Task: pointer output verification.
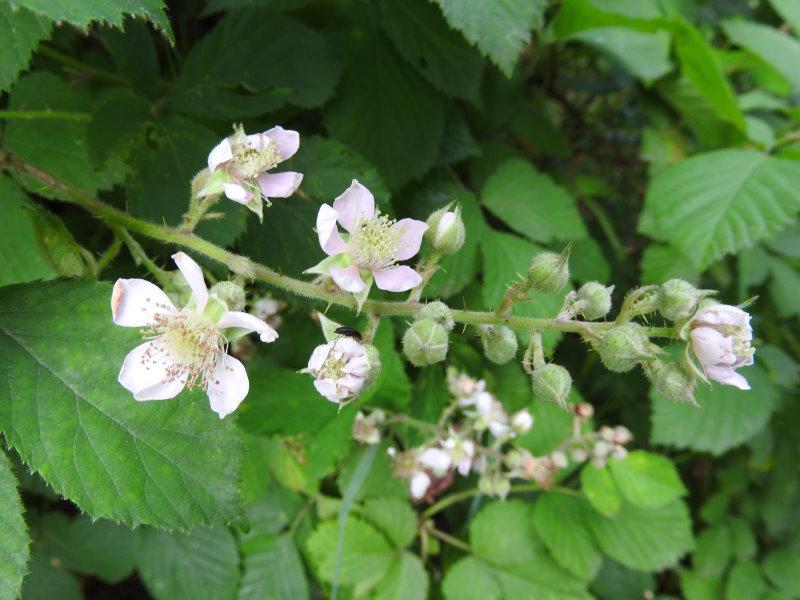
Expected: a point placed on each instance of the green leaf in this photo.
(21, 252)
(531, 203)
(470, 579)
(196, 565)
(560, 522)
(698, 587)
(745, 582)
(252, 62)
(423, 37)
(587, 261)
(49, 580)
(781, 567)
(101, 548)
(600, 489)
(380, 481)
(14, 540)
(506, 259)
(647, 479)
(645, 55)
(82, 13)
(615, 582)
(779, 50)
(273, 570)
(20, 34)
(648, 539)
(380, 98)
(720, 202)
(661, 263)
(392, 388)
(504, 532)
(406, 579)
(499, 29)
(783, 286)
(394, 517)
(56, 146)
(116, 126)
(170, 463)
(725, 418)
(789, 10)
(713, 551)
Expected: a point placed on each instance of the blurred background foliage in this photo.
(658, 137)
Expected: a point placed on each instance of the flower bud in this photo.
(366, 428)
(446, 231)
(552, 383)
(559, 459)
(595, 300)
(720, 339)
(62, 250)
(584, 410)
(677, 299)
(499, 343)
(670, 381)
(623, 347)
(549, 272)
(425, 343)
(439, 312)
(521, 421)
(230, 293)
(494, 485)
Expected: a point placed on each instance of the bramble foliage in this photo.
(531, 174)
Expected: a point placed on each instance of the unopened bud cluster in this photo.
(426, 340)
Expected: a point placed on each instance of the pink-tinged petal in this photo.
(447, 219)
(244, 320)
(286, 140)
(329, 238)
(194, 277)
(411, 232)
(348, 279)
(221, 154)
(727, 376)
(397, 279)
(355, 205)
(135, 302)
(419, 484)
(255, 141)
(279, 185)
(228, 385)
(327, 389)
(711, 347)
(237, 193)
(144, 373)
(318, 358)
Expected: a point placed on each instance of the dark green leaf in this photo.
(20, 34)
(14, 540)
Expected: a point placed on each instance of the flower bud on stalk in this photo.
(623, 347)
(552, 383)
(594, 300)
(499, 343)
(670, 381)
(521, 421)
(494, 485)
(439, 312)
(425, 342)
(549, 272)
(230, 293)
(446, 233)
(677, 299)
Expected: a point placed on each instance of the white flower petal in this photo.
(436, 459)
(327, 388)
(286, 140)
(134, 302)
(243, 320)
(355, 205)
(726, 375)
(447, 219)
(221, 153)
(711, 347)
(419, 484)
(237, 193)
(348, 279)
(194, 277)
(228, 385)
(318, 357)
(330, 240)
(410, 238)
(144, 373)
(279, 185)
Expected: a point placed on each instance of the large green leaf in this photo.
(191, 566)
(20, 33)
(21, 252)
(725, 418)
(789, 10)
(170, 463)
(647, 479)
(648, 539)
(500, 29)
(781, 567)
(14, 540)
(778, 49)
(82, 13)
(272, 569)
(531, 203)
(645, 55)
(426, 41)
(385, 111)
(720, 202)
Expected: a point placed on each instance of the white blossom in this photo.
(340, 369)
(720, 339)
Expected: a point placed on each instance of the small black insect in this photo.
(348, 331)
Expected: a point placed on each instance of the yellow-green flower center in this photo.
(374, 243)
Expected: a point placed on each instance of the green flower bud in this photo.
(230, 293)
(670, 381)
(494, 485)
(677, 299)
(446, 231)
(63, 252)
(499, 343)
(623, 347)
(439, 312)
(549, 272)
(425, 342)
(552, 383)
(595, 299)
(375, 365)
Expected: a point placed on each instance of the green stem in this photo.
(449, 539)
(75, 64)
(29, 115)
(241, 265)
(110, 254)
(518, 488)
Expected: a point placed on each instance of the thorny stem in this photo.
(427, 268)
(110, 254)
(244, 266)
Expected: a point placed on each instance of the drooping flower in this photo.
(185, 347)
(720, 339)
(370, 249)
(340, 368)
(239, 167)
